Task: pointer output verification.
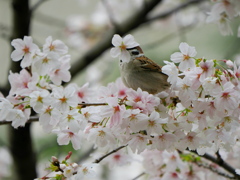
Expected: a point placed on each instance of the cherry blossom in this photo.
(38, 99)
(85, 170)
(46, 63)
(66, 135)
(60, 72)
(19, 82)
(199, 112)
(55, 46)
(185, 57)
(64, 97)
(121, 46)
(23, 49)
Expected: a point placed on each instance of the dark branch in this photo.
(131, 23)
(138, 18)
(214, 170)
(32, 119)
(140, 175)
(174, 10)
(36, 5)
(222, 164)
(106, 155)
(110, 13)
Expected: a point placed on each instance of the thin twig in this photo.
(31, 119)
(223, 164)
(110, 13)
(35, 6)
(92, 104)
(35, 118)
(140, 175)
(138, 18)
(166, 38)
(106, 155)
(174, 10)
(214, 170)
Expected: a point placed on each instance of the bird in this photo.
(142, 72)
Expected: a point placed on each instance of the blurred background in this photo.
(81, 24)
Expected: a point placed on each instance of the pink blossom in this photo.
(66, 135)
(207, 69)
(92, 114)
(61, 72)
(171, 70)
(155, 123)
(121, 46)
(85, 170)
(56, 46)
(38, 99)
(118, 158)
(23, 48)
(164, 141)
(84, 93)
(46, 63)
(64, 97)
(142, 100)
(227, 99)
(135, 120)
(138, 142)
(5, 107)
(194, 76)
(19, 82)
(114, 111)
(185, 57)
(49, 118)
(191, 141)
(73, 120)
(102, 137)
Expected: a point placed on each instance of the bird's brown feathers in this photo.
(148, 64)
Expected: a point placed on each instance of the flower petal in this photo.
(17, 55)
(129, 41)
(117, 40)
(115, 52)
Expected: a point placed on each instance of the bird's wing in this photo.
(147, 64)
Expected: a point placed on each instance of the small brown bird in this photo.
(142, 72)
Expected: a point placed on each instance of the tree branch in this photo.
(20, 139)
(174, 10)
(138, 18)
(140, 175)
(106, 155)
(131, 23)
(222, 164)
(35, 6)
(110, 13)
(214, 170)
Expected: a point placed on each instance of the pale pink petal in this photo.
(125, 56)
(115, 52)
(176, 57)
(18, 43)
(184, 48)
(63, 139)
(192, 51)
(17, 55)
(117, 40)
(129, 41)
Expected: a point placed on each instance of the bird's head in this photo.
(135, 52)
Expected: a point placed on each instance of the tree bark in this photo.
(24, 159)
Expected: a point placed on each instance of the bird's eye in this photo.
(120, 61)
(135, 52)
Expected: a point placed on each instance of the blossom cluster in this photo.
(199, 112)
(222, 13)
(65, 170)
